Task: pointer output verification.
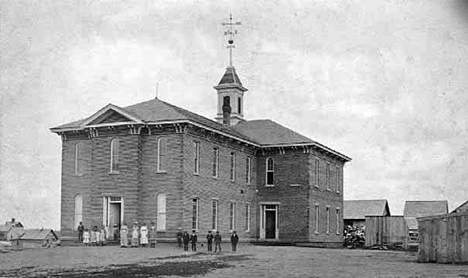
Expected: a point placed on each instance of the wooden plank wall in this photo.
(443, 239)
(386, 230)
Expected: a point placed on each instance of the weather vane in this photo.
(230, 32)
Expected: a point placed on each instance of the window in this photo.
(195, 214)
(338, 221)
(161, 218)
(247, 217)
(196, 157)
(317, 165)
(247, 170)
(215, 162)
(317, 213)
(162, 155)
(327, 176)
(79, 158)
(337, 179)
(214, 219)
(239, 105)
(78, 211)
(328, 220)
(233, 166)
(115, 149)
(232, 216)
(269, 172)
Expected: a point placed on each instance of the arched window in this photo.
(115, 149)
(161, 220)
(270, 169)
(162, 153)
(78, 211)
(226, 101)
(79, 158)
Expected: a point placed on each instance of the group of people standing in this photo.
(95, 237)
(144, 236)
(184, 238)
(140, 235)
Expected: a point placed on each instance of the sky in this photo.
(383, 82)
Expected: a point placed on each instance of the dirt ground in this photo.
(248, 261)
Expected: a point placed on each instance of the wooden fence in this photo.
(444, 238)
(386, 230)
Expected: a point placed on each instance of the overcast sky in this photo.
(384, 82)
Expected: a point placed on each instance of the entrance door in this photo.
(114, 215)
(270, 224)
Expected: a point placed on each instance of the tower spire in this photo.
(230, 33)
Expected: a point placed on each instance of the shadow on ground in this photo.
(184, 266)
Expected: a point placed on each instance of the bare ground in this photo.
(249, 261)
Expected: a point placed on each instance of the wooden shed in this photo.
(355, 211)
(39, 238)
(390, 231)
(444, 238)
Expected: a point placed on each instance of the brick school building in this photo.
(154, 161)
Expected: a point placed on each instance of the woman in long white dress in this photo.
(135, 235)
(124, 235)
(144, 235)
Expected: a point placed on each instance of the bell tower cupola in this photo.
(230, 89)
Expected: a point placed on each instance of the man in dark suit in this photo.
(193, 239)
(186, 239)
(234, 240)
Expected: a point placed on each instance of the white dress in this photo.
(144, 235)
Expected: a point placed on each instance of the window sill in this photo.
(269, 185)
(161, 172)
(317, 233)
(328, 189)
(114, 173)
(196, 174)
(338, 192)
(215, 178)
(79, 175)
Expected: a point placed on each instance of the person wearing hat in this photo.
(194, 239)
(152, 235)
(186, 239)
(217, 241)
(179, 237)
(144, 235)
(135, 235)
(234, 240)
(209, 241)
(124, 235)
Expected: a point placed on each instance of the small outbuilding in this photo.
(39, 238)
(355, 211)
(415, 209)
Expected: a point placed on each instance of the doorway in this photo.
(112, 212)
(269, 222)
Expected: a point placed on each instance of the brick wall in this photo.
(322, 198)
(205, 187)
(290, 168)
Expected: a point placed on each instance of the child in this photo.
(98, 236)
(93, 238)
(103, 236)
(152, 235)
(86, 237)
(144, 235)
(135, 235)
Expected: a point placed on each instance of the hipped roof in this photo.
(260, 133)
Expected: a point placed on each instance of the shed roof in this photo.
(462, 207)
(359, 209)
(38, 234)
(425, 208)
